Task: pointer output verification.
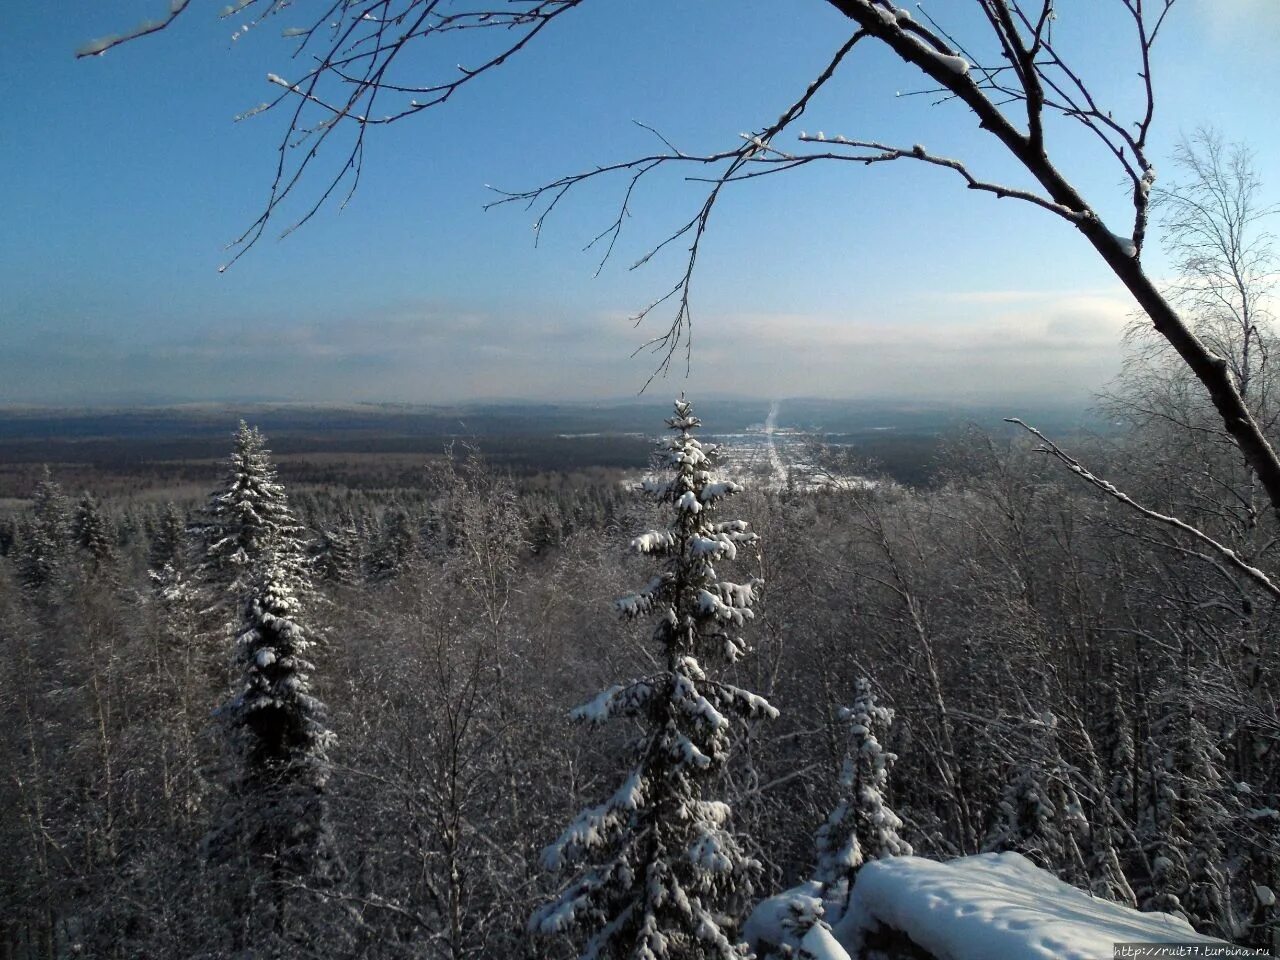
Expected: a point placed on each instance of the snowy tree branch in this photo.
(1231, 557)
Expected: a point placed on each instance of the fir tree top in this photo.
(249, 525)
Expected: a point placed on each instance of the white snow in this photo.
(1126, 245)
(887, 15)
(772, 921)
(820, 944)
(995, 906)
(654, 541)
(688, 502)
(957, 65)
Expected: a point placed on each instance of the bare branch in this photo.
(917, 152)
(1232, 558)
(754, 150)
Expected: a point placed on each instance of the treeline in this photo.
(1069, 679)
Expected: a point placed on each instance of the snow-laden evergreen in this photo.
(336, 556)
(248, 525)
(169, 542)
(46, 539)
(274, 836)
(275, 722)
(93, 532)
(862, 826)
(1206, 819)
(397, 543)
(274, 841)
(660, 873)
(796, 924)
(1040, 814)
(1182, 825)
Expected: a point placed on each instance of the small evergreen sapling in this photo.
(862, 826)
(661, 875)
(1040, 814)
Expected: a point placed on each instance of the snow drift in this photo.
(994, 906)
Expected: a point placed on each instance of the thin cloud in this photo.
(973, 345)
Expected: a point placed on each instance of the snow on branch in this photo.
(96, 48)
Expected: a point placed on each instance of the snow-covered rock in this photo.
(995, 906)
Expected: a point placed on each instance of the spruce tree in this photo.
(93, 533)
(1105, 866)
(169, 540)
(862, 827)
(661, 875)
(248, 525)
(275, 723)
(1186, 820)
(1040, 814)
(1160, 828)
(1208, 897)
(275, 834)
(273, 837)
(336, 555)
(46, 540)
(395, 548)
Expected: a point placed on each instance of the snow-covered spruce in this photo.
(47, 537)
(1040, 814)
(93, 533)
(336, 555)
(660, 874)
(277, 728)
(796, 924)
(1183, 820)
(862, 827)
(249, 524)
(169, 541)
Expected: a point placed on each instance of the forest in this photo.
(469, 703)
(1055, 674)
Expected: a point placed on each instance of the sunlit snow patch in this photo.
(995, 906)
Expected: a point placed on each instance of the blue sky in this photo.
(125, 174)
